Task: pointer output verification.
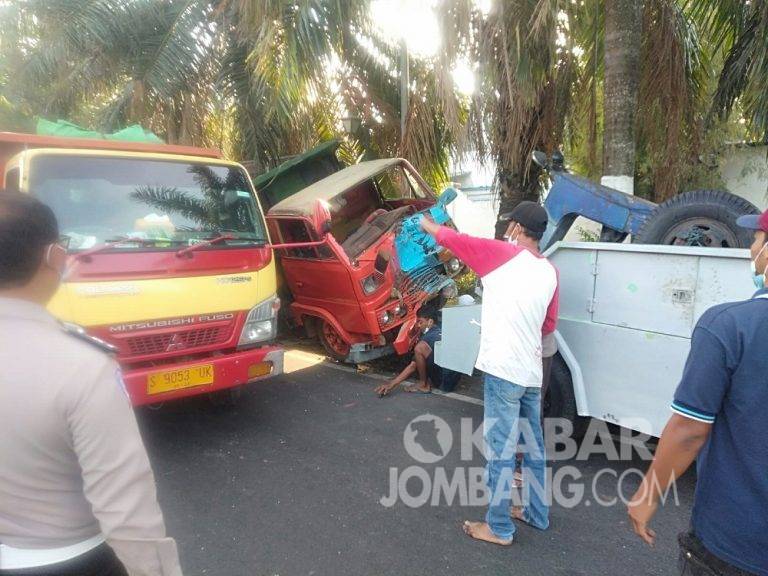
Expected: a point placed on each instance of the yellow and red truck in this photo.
(169, 261)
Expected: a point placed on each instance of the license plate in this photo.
(169, 380)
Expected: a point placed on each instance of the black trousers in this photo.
(546, 365)
(101, 561)
(696, 560)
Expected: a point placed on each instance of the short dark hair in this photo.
(532, 234)
(27, 226)
(428, 312)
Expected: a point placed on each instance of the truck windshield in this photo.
(350, 209)
(159, 203)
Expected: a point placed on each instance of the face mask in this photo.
(758, 278)
(510, 238)
(56, 259)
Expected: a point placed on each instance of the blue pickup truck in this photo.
(703, 218)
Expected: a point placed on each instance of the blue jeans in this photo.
(512, 417)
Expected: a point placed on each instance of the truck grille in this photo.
(418, 284)
(187, 340)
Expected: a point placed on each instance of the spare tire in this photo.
(698, 218)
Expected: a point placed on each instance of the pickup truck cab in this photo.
(357, 280)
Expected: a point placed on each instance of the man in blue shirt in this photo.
(719, 417)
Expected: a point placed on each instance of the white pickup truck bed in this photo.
(626, 316)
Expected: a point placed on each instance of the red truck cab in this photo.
(346, 283)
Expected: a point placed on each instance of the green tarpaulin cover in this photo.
(297, 173)
(63, 128)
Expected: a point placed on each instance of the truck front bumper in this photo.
(172, 381)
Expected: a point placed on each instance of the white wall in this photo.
(474, 212)
(744, 170)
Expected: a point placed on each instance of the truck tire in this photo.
(560, 401)
(704, 218)
(332, 341)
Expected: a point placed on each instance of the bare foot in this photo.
(481, 531)
(518, 513)
(419, 389)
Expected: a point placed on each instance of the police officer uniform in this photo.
(75, 481)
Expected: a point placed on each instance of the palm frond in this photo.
(174, 201)
(673, 84)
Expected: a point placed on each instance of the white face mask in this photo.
(56, 259)
(512, 238)
(758, 278)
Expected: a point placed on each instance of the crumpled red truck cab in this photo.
(344, 283)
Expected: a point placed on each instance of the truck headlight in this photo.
(261, 323)
(453, 265)
(372, 283)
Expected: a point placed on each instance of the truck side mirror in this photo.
(448, 196)
(540, 158)
(321, 219)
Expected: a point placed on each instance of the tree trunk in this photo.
(623, 35)
(515, 188)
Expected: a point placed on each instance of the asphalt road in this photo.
(289, 482)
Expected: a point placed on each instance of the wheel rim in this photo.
(334, 340)
(703, 232)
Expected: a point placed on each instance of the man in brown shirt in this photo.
(77, 494)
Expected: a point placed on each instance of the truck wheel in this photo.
(334, 344)
(704, 218)
(560, 401)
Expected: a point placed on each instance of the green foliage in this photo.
(736, 31)
(262, 79)
(466, 282)
(266, 79)
(12, 119)
(587, 235)
(350, 152)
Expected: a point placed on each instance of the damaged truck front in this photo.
(358, 276)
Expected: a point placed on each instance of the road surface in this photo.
(291, 481)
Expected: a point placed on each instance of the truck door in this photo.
(315, 277)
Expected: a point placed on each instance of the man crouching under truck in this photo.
(423, 363)
(519, 296)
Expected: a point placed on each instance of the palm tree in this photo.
(270, 78)
(623, 30)
(524, 85)
(737, 31)
(277, 74)
(545, 76)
